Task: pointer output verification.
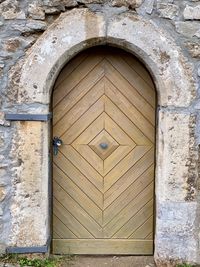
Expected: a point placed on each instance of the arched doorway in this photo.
(172, 74)
(103, 174)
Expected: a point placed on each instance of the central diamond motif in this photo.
(103, 144)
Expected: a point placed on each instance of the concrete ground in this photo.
(111, 261)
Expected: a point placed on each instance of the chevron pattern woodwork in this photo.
(103, 175)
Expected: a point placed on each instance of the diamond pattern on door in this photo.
(103, 175)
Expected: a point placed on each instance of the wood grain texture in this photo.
(103, 198)
(109, 247)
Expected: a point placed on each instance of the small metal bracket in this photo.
(28, 117)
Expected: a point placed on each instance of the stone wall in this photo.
(24, 22)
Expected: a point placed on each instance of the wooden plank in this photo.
(136, 221)
(79, 179)
(125, 123)
(76, 193)
(83, 166)
(120, 202)
(138, 67)
(78, 212)
(131, 93)
(150, 236)
(90, 156)
(128, 212)
(144, 231)
(91, 131)
(83, 69)
(117, 133)
(83, 122)
(130, 111)
(102, 247)
(137, 82)
(77, 93)
(61, 230)
(114, 175)
(69, 68)
(69, 220)
(143, 167)
(55, 235)
(115, 158)
(79, 109)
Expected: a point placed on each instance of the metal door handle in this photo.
(56, 143)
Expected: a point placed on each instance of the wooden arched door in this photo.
(103, 174)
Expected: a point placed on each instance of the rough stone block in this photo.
(3, 122)
(149, 5)
(30, 26)
(198, 71)
(192, 13)
(168, 11)
(175, 230)
(10, 9)
(91, 1)
(127, 3)
(1, 211)
(194, 49)
(188, 29)
(35, 11)
(2, 193)
(176, 141)
(65, 3)
(30, 200)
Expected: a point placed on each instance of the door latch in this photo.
(56, 143)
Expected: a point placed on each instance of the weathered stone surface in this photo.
(174, 137)
(31, 190)
(149, 6)
(1, 211)
(164, 54)
(128, 3)
(117, 28)
(91, 1)
(2, 193)
(198, 71)
(35, 11)
(56, 43)
(188, 29)
(31, 26)
(192, 13)
(168, 11)
(194, 49)
(52, 10)
(2, 248)
(170, 220)
(2, 120)
(10, 9)
(66, 3)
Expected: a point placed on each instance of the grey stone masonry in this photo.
(37, 37)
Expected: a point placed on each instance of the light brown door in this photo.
(103, 174)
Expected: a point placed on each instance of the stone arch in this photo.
(71, 33)
(80, 29)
